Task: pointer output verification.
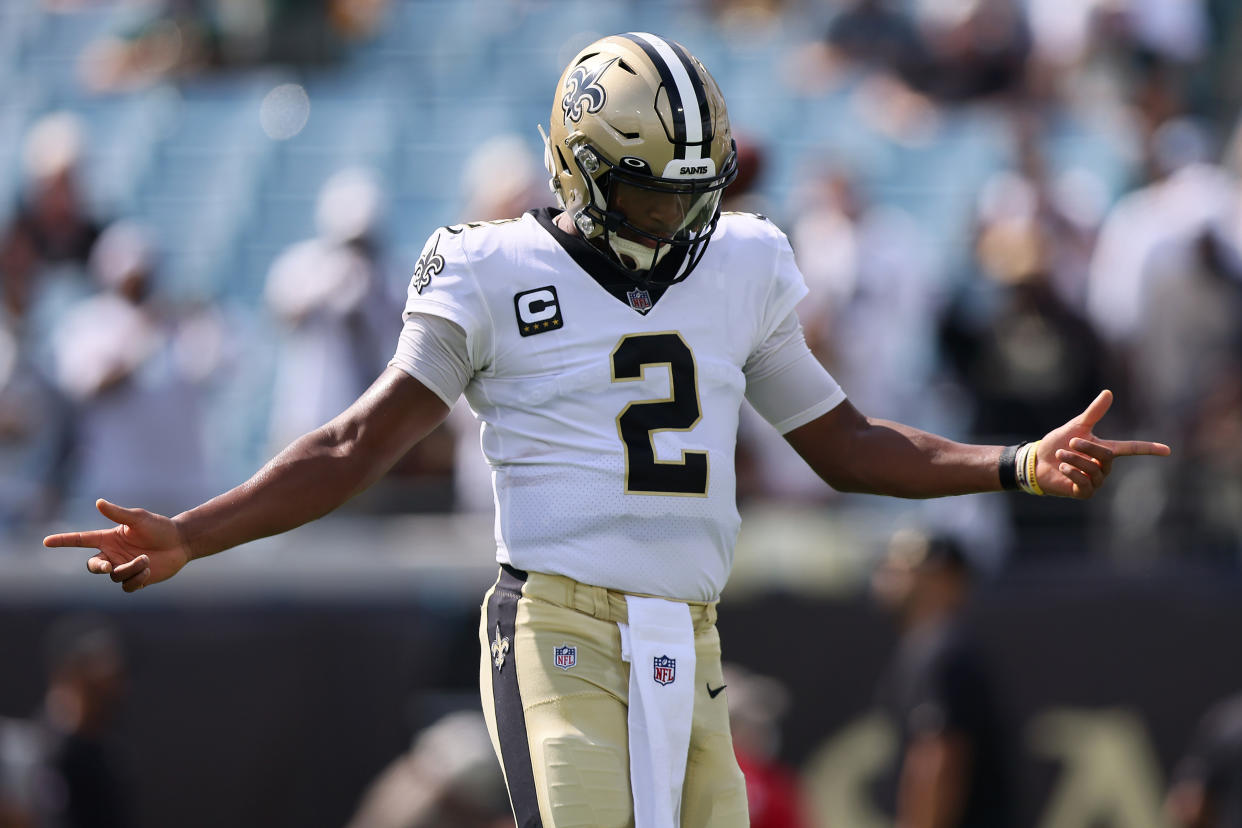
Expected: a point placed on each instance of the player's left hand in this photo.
(1073, 461)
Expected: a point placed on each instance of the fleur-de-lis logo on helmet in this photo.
(429, 264)
(583, 92)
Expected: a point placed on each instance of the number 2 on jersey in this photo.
(639, 421)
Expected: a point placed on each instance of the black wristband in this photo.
(1008, 470)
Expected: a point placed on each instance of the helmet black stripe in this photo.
(670, 88)
(700, 94)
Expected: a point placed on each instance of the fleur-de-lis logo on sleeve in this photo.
(583, 92)
(429, 264)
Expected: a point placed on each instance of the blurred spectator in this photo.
(58, 770)
(135, 373)
(952, 771)
(873, 295)
(502, 179)
(1165, 290)
(1066, 32)
(33, 415)
(53, 225)
(868, 317)
(1023, 354)
(1186, 371)
(756, 706)
(1185, 196)
(26, 783)
(178, 38)
(338, 321)
(87, 682)
(1207, 783)
(949, 50)
(449, 778)
(873, 33)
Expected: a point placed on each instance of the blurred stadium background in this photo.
(209, 211)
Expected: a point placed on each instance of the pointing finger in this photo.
(1135, 448)
(90, 539)
(1098, 408)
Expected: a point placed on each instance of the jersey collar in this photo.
(641, 298)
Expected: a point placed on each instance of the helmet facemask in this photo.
(644, 217)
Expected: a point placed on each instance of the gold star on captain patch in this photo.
(500, 647)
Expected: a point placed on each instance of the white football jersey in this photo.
(609, 413)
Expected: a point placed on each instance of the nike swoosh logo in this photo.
(716, 692)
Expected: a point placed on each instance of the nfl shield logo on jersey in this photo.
(640, 300)
(665, 669)
(566, 656)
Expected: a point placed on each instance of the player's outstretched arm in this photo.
(854, 453)
(314, 475)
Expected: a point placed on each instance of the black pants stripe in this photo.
(510, 718)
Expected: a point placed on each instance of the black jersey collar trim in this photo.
(606, 275)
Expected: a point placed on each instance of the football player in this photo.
(606, 347)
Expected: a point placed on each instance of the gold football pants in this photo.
(555, 694)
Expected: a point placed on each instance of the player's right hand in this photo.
(142, 549)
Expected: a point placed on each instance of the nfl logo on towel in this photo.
(566, 657)
(665, 669)
(640, 300)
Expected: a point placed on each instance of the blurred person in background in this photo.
(135, 373)
(947, 50)
(330, 296)
(872, 294)
(53, 218)
(1166, 293)
(1184, 194)
(27, 785)
(86, 687)
(952, 767)
(34, 416)
(757, 704)
(1019, 350)
(447, 779)
(867, 317)
(175, 39)
(58, 769)
(1207, 783)
(332, 299)
(615, 531)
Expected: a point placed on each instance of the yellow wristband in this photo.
(1032, 457)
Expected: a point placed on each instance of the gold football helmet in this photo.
(640, 152)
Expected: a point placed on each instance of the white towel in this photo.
(658, 643)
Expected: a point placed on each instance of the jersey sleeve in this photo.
(785, 383)
(786, 286)
(444, 285)
(433, 351)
